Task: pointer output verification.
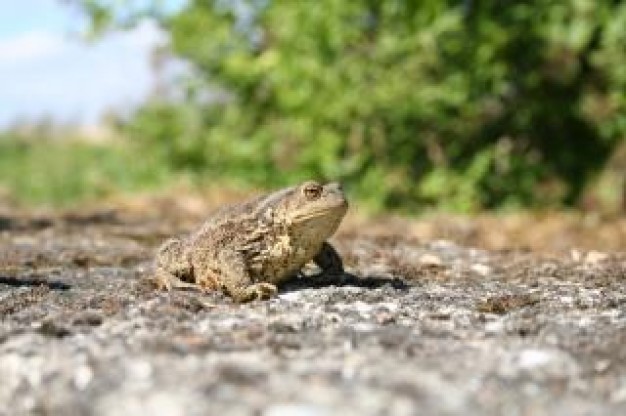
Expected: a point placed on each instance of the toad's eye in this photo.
(312, 191)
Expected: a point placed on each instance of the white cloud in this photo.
(30, 46)
(48, 73)
(145, 35)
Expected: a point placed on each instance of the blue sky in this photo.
(46, 69)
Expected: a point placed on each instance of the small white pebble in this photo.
(290, 296)
(82, 377)
(481, 269)
(140, 370)
(362, 307)
(494, 327)
(442, 244)
(295, 409)
(602, 366)
(390, 306)
(619, 395)
(532, 358)
(430, 260)
(595, 257)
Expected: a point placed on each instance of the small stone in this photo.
(481, 269)
(602, 365)
(334, 317)
(295, 409)
(532, 358)
(364, 309)
(595, 257)
(290, 296)
(384, 317)
(156, 403)
(442, 244)
(576, 255)
(88, 318)
(619, 395)
(140, 370)
(82, 377)
(539, 364)
(430, 260)
(53, 329)
(494, 327)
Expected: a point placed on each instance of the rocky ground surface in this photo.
(441, 315)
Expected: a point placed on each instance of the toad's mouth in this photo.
(337, 210)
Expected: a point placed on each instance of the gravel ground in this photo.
(429, 326)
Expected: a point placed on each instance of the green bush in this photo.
(461, 104)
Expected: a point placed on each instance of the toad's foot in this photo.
(168, 281)
(258, 291)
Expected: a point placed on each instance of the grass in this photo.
(60, 173)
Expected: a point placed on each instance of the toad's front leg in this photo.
(329, 261)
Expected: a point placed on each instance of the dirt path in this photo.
(421, 324)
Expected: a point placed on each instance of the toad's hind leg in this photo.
(238, 282)
(173, 268)
(172, 257)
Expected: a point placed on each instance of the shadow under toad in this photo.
(34, 282)
(346, 279)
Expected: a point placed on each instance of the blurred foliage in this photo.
(36, 169)
(459, 104)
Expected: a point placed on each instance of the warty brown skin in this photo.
(246, 249)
